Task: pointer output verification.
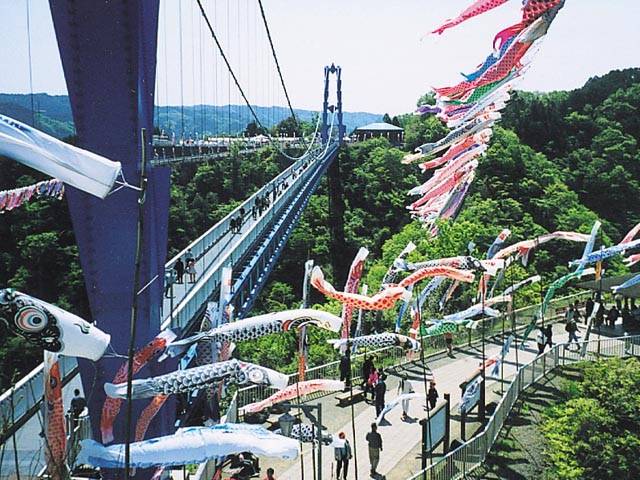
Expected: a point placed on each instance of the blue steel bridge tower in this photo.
(108, 52)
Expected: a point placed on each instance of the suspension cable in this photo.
(181, 75)
(33, 113)
(235, 78)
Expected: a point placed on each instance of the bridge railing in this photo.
(219, 238)
(470, 455)
(214, 237)
(253, 275)
(23, 399)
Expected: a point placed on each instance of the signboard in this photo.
(470, 394)
(436, 429)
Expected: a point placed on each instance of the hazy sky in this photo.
(386, 66)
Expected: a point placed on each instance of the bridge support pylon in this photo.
(108, 52)
(326, 108)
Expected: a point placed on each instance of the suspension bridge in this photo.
(124, 65)
(112, 60)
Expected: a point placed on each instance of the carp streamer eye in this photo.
(31, 319)
(256, 375)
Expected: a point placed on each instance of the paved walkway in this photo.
(401, 439)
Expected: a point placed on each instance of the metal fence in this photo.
(470, 455)
(433, 345)
(223, 246)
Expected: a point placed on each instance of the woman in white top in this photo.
(405, 387)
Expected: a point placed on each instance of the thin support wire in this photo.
(275, 59)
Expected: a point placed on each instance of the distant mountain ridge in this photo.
(52, 114)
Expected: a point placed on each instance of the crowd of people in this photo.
(604, 316)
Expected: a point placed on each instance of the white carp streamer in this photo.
(191, 445)
(378, 340)
(51, 327)
(82, 169)
(259, 326)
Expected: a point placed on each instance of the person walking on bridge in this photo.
(179, 268)
(374, 439)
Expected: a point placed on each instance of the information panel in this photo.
(437, 427)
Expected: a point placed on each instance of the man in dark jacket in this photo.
(380, 390)
(375, 447)
(179, 268)
(588, 309)
(345, 370)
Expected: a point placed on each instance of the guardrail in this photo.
(470, 455)
(208, 283)
(23, 399)
(395, 357)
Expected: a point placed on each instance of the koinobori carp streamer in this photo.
(293, 391)
(378, 340)
(259, 326)
(232, 371)
(51, 327)
(191, 445)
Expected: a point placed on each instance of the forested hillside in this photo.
(559, 161)
(52, 114)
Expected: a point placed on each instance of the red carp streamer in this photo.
(111, 406)
(448, 272)
(351, 286)
(54, 424)
(522, 249)
(477, 8)
(148, 414)
(292, 391)
(383, 300)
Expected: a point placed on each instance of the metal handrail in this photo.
(395, 357)
(471, 454)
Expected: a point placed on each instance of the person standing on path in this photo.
(572, 328)
(169, 278)
(372, 381)
(367, 367)
(191, 270)
(613, 315)
(345, 371)
(548, 334)
(405, 387)
(375, 447)
(380, 390)
(342, 454)
(576, 311)
(588, 309)
(448, 338)
(432, 395)
(541, 340)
